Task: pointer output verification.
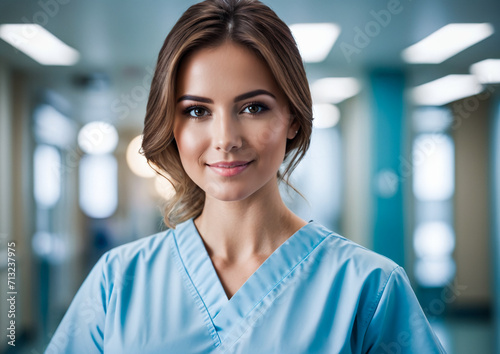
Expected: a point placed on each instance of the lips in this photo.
(229, 168)
(224, 164)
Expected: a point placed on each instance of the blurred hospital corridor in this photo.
(404, 156)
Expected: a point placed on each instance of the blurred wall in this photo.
(16, 207)
(356, 210)
(5, 183)
(471, 131)
(495, 222)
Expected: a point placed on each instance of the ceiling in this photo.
(119, 41)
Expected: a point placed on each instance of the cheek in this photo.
(271, 137)
(189, 144)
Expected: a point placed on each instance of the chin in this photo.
(227, 193)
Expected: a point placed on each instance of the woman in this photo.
(237, 272)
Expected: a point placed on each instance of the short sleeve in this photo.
(82, 327)
(398, 324)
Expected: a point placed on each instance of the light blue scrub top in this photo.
(317, 293)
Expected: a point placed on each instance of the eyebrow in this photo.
(253, 94)
(236, 99)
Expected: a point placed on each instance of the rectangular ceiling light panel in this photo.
(315, 40)
(487, 71)
(447, 42)
(39, 44)
(445, 90)
(334, 89)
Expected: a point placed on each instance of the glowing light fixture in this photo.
(325, 115)
(164, 188)
(445, 90)
(136, 161)
(39, 44)
(52, 127)
(315, 40)
(98, 185)
(434, 240)
(98, 138)
(433, 162)
(432, 119)
(435, 272)
(49, 246)
(446, 42)
(334, 89)
(47, 175)
(487, 71)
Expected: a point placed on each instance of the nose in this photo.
(226, 132)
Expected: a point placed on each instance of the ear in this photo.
(293, 129)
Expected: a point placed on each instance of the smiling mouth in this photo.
(228, 169)
(229, 164)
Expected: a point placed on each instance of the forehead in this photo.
(226, 69)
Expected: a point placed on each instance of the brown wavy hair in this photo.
(208, 24)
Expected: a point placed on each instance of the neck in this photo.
(237, 231)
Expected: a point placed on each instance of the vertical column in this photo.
(387, 148)
(22, 202)
(5, 191)
(356, 130)
(5, 155)
(495, 222)
(472, 132)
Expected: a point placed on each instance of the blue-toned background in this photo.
(405, 169)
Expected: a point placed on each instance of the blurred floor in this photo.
(466, 335)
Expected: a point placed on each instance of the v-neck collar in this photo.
(225, 313)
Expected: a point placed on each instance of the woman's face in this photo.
(231, 121)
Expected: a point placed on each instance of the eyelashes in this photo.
(195, 111)
(261, 108)
(200, 111)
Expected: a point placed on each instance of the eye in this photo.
(195, 112)
(255, 108)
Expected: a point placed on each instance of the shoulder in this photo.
(344, 256)
(342, 249)
(142, 250)
(359, 273)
